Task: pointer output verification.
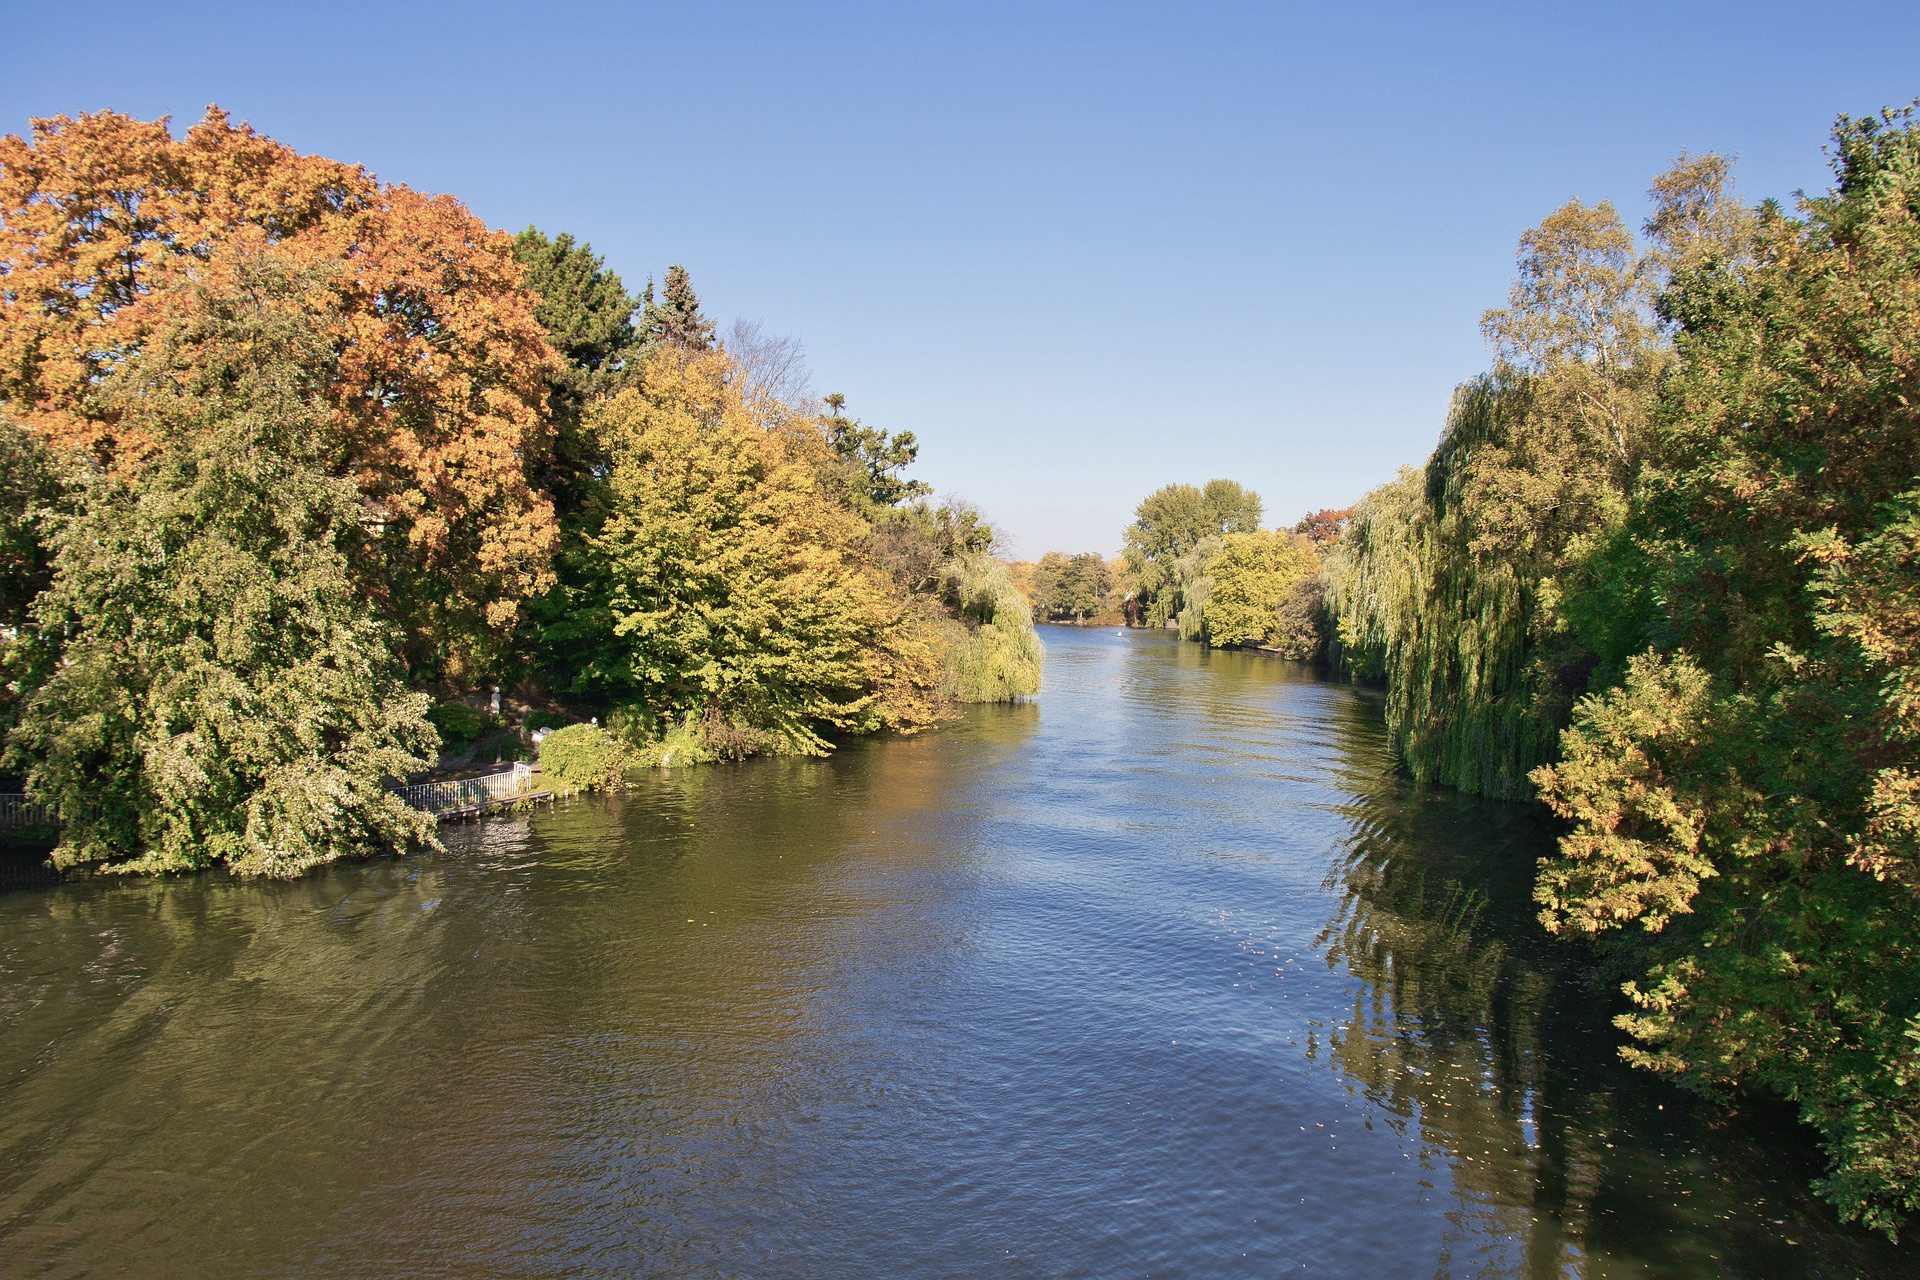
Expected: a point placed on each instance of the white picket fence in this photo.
(466, 794)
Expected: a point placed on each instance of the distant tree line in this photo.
(283, 448)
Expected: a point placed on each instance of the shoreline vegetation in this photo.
(1660, 574)
(300, 470)
(296, 466)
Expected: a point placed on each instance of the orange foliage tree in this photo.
(440, 402)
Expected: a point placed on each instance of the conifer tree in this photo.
(675, 320)
(589, 319)
(875, 459)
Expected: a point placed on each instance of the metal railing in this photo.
(18, 811)
(470, 793)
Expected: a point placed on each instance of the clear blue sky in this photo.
(1079, 250)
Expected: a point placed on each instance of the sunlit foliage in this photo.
(1168, 528)
(583, 757)
(212, 686)
(993, 655)
(1253, 576)
(436, 400)
(1746, 796)
(723, 587)
(1073, 588)
(1470, 589)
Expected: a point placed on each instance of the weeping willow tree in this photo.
(1475, 588)
(991, 651)
(1446, 629)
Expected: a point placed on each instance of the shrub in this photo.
(457, 722)
(582, 757)
(538, 720)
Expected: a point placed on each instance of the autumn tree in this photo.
(725, 598)
(436, 404)
(1324, 527)
(210, 684)
(1744, 799)
(1253, 576)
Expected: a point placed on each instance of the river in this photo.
(1165, 974)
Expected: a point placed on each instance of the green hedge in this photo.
(582, 757)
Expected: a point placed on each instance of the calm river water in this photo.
(1167, 974)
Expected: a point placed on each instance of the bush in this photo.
(538, 720)
(457, 722)
(582, 757)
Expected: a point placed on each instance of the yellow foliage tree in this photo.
(1253, 575)
(725, 596)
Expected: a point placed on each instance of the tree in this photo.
(1170, 524)
(585, 310)
(1071, 586)
(675, 320)
(1324, 527)
(28, 485)
(31, 491)
(772, 366)
(1746, 793)
(725, 596)
(987, 646)
(1252, 577)
(874, 459)
(588, 317)
(1170, 521)
(437, 399)
(215, 688)
(1482, 592)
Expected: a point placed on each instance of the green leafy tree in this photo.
(1076, 587)
(1253, 576)
(1191, 581)
(1746, 795)
(989, 650)
(220, 691)
(583, 757)
(1483, 593)
(30, 494)
(1169, 525)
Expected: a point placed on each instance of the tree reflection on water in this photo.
(1489, 1046)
